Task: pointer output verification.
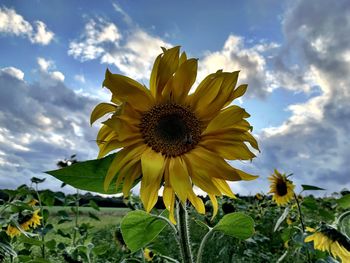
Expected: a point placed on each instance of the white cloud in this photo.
(96, 35)
(12, 23)
(46, 67)
(133, 53)
(42, 35)
(235, 55)
(15, 72)
(313, 143)
(41, 123)
(80, 78)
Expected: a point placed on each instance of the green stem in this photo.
(44, 223)
(76, 218)
(341, 218)
(302, 224)
(183, 231)
(201, 247)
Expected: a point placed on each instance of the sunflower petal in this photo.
(196, 202)
(224, 188)
(163, 68)
(134, 173)
(213, 94)
(152, 173)
(100, 110)
(214, 202)
(169, 202)
(180, 84)
(121, 159)
(179, 178)
(128, 90)
(226, 118)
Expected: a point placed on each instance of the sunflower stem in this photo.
(183, 231)
(201, 247)
(43, 254)
(302, 224)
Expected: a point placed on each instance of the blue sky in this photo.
(293, 55)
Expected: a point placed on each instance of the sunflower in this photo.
(148, 254)
(12, 231)
(30, 221)
(25, 222)
(329, 239)
(174, 139)
(281, 188)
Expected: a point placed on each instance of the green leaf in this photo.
(237, 225)
(93, 204)
(32, 241)
(307, 187)
(344, 202)
(88, 175)
(93, 216)
(282, 217)
(140, 228)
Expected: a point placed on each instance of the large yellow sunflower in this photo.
(329, 239)
(172, 139)
(25, 222)
(281, 188)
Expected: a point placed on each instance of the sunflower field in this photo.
(89, 233)
(172, 142)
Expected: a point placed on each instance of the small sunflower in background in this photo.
(148, 254)
(25, 222)
(331, 240)
(174, 139)
(281, 188)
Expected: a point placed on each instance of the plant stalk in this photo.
(42, 247)
(302, 224)
(76, 218)
(201, 247)
(183, 231)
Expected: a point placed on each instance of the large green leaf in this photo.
(140, 228)
(237, 225)
(307, 187)
(88, 175)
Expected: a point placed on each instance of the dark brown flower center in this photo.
(171, 129)
(281, 187)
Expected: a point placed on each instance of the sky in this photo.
(294, 56)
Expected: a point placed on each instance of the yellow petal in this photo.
(179, 178)
(169, 202)
(213, 94)
(229, 150)
(201, 176)
(163, 68)
(196, 202)
(113, 144)
(181, 82)
(100, 110)
(214, 165)
(183, 58)
(226, 118)
(223, 187)
(214, 202)
(128, 90)
(134, 173)
(122, 158)
(152, 173)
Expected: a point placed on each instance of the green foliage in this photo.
(344, 202)
(140, 228)
(237, 225)
(88, 175)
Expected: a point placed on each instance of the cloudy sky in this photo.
(294, 55)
